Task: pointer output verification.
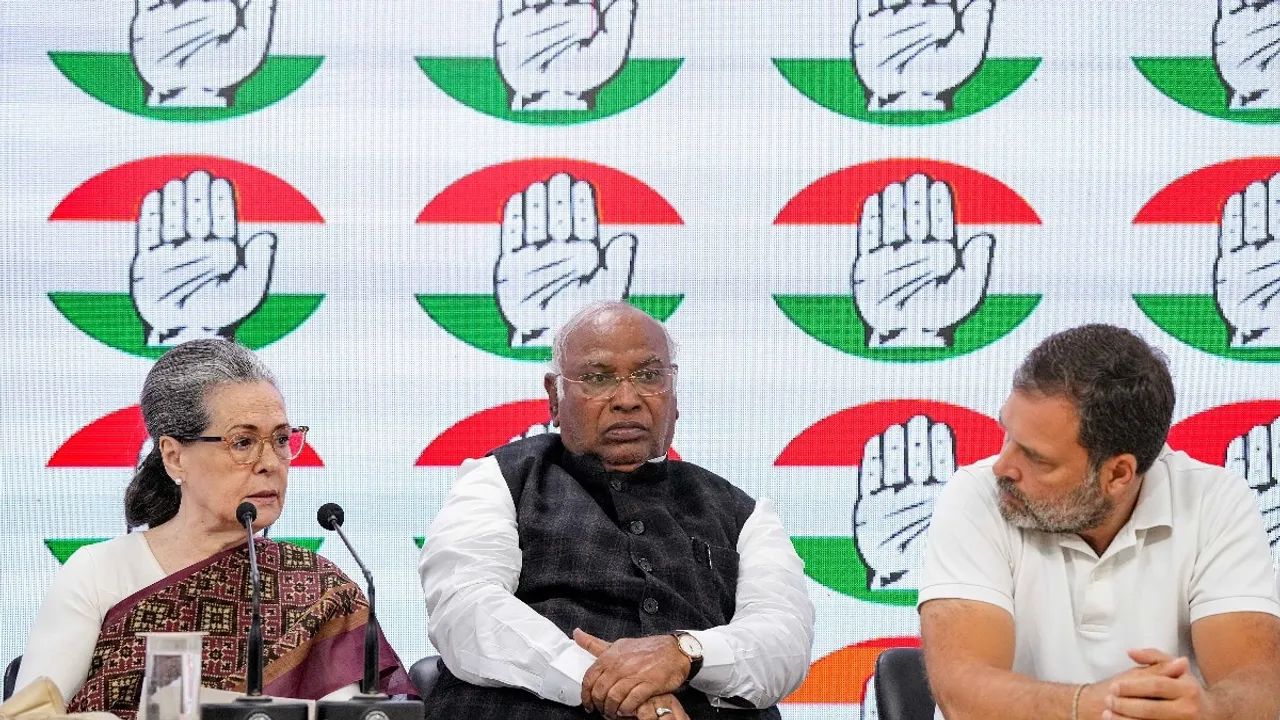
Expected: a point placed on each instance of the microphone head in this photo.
(247, 512)
(330, 516)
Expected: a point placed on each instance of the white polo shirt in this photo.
(1194, 547)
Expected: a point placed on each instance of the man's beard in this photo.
(1083, 508)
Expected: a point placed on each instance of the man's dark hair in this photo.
(1119, 385)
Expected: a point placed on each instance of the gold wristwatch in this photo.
(692, 649)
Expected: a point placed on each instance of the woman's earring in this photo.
(177, 481)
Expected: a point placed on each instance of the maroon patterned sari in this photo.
(313, 620)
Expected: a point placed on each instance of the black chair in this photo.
(11, 676)
(902, 688)
(425, 673)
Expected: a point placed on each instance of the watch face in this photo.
(690, 645)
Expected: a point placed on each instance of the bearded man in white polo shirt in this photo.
(1088, 571)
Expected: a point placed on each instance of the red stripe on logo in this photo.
(1198, 197)
(482, 196)
(837, 440)
(837, 199)
(1205, 435)
(117, 194)
(475, 435)
(114, 441)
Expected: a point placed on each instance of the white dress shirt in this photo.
(470, 568)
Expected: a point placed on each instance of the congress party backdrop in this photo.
(856, 216)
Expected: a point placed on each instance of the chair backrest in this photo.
(11, 676)
(902, 688)
(424, 675)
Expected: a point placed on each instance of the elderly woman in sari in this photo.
(221, 437)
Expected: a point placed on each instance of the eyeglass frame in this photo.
(262, 441)
(671, 370)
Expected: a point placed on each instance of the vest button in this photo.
(637, 527)
(644, 564)
(650, 606)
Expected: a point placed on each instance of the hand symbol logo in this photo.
(915, 54)
(1255, 456)
(903, 469)
(1246, 52)
(1246, 274)
(192, 276)
(197, 53)
(557, 54)
(912, 282)
(551, 262)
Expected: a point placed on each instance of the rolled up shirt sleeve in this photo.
(763, 653)
(1233, 570)
(470, 568)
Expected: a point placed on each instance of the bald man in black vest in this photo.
(586, 572)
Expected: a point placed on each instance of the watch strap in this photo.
(695, 662)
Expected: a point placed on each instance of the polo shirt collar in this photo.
(1155, 499)
(1153, 509)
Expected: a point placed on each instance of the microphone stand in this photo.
(369, 684)
(253, 676)
(370, 704)
(253, 705)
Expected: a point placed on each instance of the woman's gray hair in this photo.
(588, 313)
(173, 404)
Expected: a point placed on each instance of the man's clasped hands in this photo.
(634, 677)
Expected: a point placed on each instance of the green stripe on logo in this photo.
(112, 79)
(832, 320)
(62, 548)
(475, 82)
(834, 562)
(476, 321)
(1194, 320)
(833, 84)
(1193, 82)
(306, 543)
(111, 319)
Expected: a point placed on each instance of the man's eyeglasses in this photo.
(246, 447)
(646, 381)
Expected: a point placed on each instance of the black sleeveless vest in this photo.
(616, 554)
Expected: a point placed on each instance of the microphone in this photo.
(370, 703)
(331, 517)
(253, 705)
(246, 514)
